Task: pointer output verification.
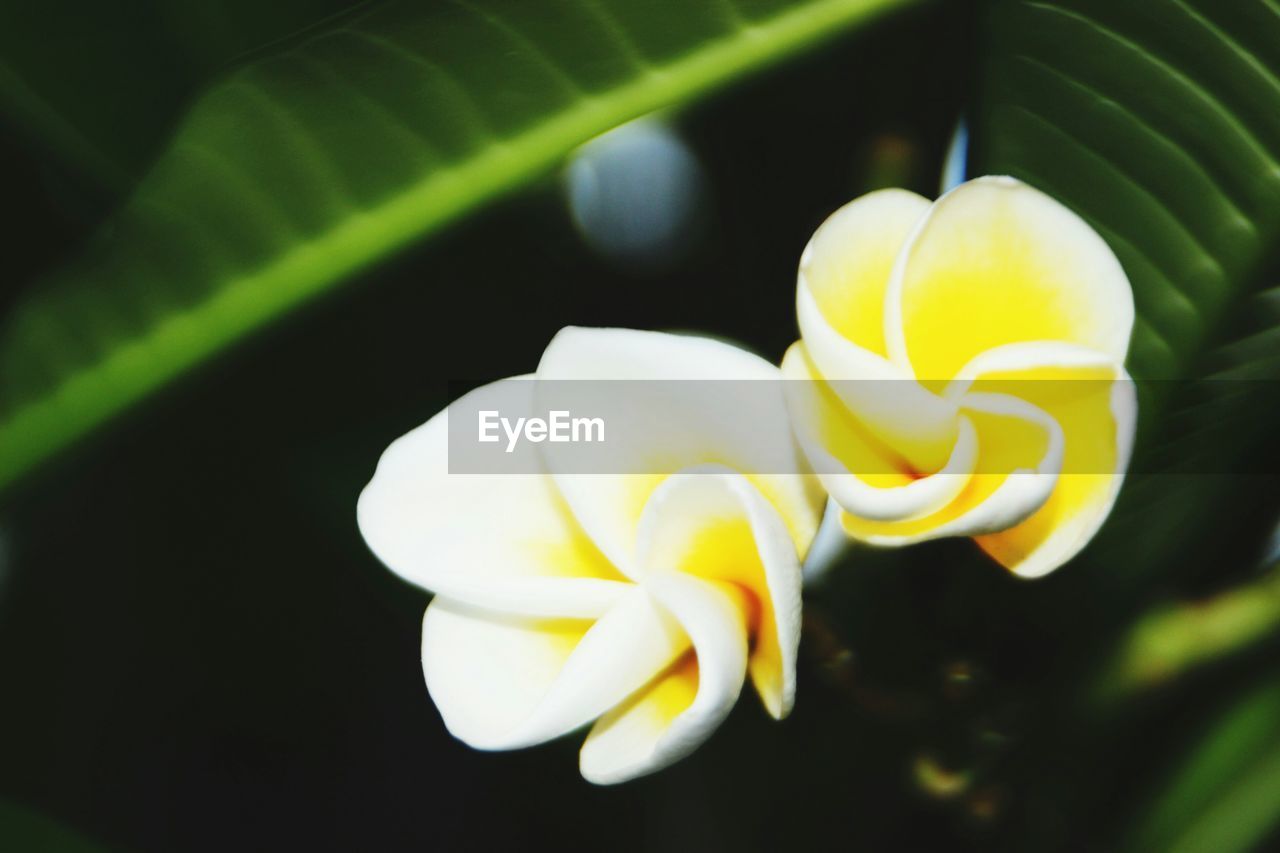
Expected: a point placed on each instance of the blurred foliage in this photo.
(1174, 640)
(1225, 794)
(98, 86)
(301, 167)
(25, 830)
(213, 551)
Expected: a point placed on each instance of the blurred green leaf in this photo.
(1173, 640)
(1224, 795)
(304, 166)
(98, 85)
(25, 830)
(1159, 122)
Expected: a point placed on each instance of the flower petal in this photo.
(694, 430)
(845, 268)
(916, 424)
(997, 262)
(1095, 403)
(505, 543)
(863, 475)
(719, 527)
(1020, 452)
(675, 713)
(505, 682)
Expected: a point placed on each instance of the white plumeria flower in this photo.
(638, 603)
(952, 318)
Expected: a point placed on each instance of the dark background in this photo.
(198, 653)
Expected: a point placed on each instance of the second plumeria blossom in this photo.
(635, 604)
(963, 367)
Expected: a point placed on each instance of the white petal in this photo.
(858, 471)
(507, 543)
(1094, 401)
(663, 723)
(997, 262)
(914, 423)
(505, 682)
(1020, 459)
(690, 427)
(718, 526)
(1013, 364)
(845, 268)
(840, 305)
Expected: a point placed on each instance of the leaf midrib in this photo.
(185, 337)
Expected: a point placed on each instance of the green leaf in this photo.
(1173, 640)
(1159, 122)
(305, 166)
(97, 85)
(1224, 795)
(23, 829)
